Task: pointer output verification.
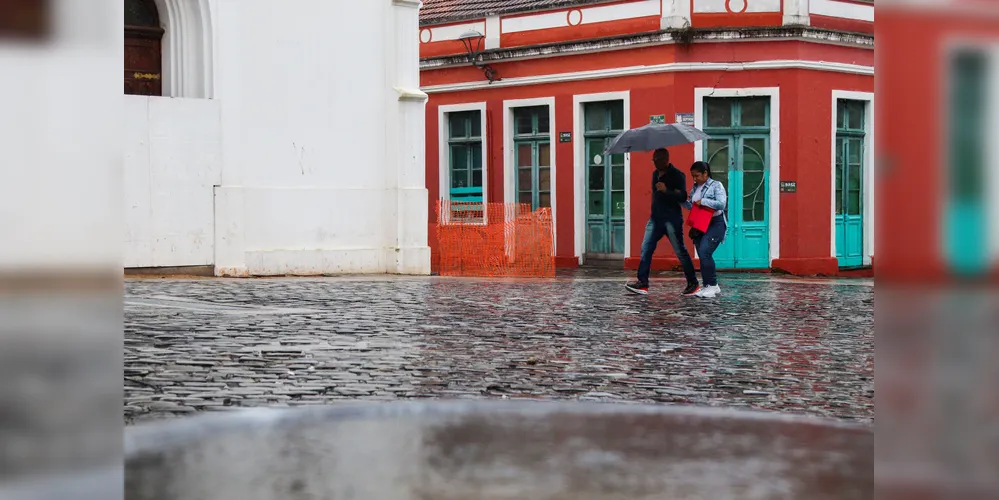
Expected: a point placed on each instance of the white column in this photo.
(796, 13)
(676, 14)
(406, 141)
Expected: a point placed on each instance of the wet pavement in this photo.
(784, 344)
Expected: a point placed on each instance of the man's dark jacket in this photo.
(666, 206)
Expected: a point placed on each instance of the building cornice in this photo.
(831, 67)
(784, 33)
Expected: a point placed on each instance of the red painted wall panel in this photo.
(913, 171)
(725, 20)
(841, 24)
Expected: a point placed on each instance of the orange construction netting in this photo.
(495, 240)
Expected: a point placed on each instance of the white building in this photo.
(275, 137)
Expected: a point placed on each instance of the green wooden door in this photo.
(605, 187)
(850, 183)
(738, 153)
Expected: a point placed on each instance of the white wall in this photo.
(320, 146)
(172, 161)
(317, 173)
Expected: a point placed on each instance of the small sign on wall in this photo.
(659, 119)
(685, 119)
(565, 137)
(788, 186)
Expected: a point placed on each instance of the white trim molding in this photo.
(509, 165)
(653, 69)
(451, 32)
(846, 10)
(581, 15)
(736, 6)
(700, 93)
(444, 165)
(188, 48)
(579, 169)
(868, 183)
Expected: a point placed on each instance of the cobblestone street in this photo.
(770, 343)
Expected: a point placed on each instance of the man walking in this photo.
(669, 190)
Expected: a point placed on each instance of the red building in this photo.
(784, 87)
(943, 55)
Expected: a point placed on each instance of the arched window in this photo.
(143, 51)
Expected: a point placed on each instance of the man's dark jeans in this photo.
(672, 229)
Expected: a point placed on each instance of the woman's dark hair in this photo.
(701, 166)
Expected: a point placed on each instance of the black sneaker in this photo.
(638, 287)
(691, 289)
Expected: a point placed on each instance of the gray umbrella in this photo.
(654, 136)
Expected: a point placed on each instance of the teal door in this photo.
(967, 225)
(738, 153)
(605, 210)
(850, 183)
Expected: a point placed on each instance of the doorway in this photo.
(605, 181)
(739, 154)
(849, 182)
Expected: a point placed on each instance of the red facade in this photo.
(799, 70)
(918, 46)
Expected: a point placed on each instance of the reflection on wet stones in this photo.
(775, 345)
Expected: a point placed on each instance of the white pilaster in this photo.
(492, 33)
(676, 14)
(406, 156)
(796, 13)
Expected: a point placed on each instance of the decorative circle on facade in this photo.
(426, 35)
(598, 160)
(574, 17)
(744, 6)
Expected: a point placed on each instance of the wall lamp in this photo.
(472, 40)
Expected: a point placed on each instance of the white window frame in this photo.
(509, 152)
(867, 208)
(989, 46)
(700, 93)
(579, 168)
(444, 157)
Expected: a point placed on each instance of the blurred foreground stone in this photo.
(498, 450)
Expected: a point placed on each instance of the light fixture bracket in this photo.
(472, 41)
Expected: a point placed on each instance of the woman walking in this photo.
(708, 193)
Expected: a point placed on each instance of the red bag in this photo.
(700, 218)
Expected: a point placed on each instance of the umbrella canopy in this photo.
(654, 136)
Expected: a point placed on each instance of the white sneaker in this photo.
(709, 292)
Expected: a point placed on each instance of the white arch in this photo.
(188, 48)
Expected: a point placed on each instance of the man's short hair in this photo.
(661, 152)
